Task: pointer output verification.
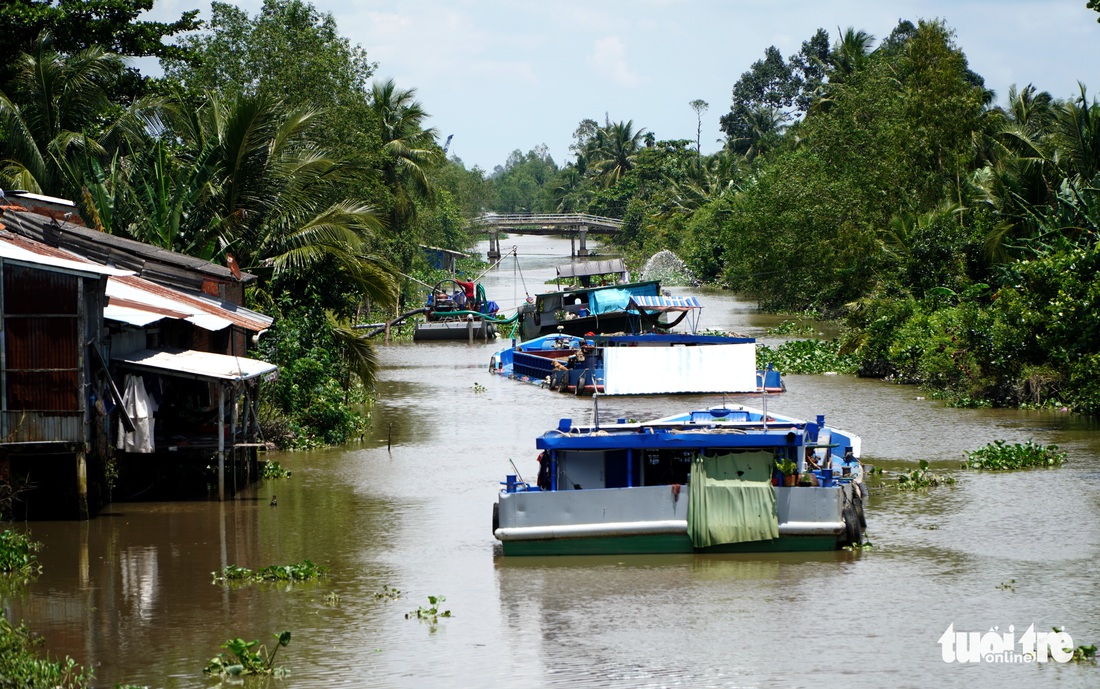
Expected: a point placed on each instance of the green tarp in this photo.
(732, 500)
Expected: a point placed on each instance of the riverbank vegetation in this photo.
(879, 184)
(873, 181)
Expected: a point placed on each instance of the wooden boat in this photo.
(450, 315)
(583, 310)
(646, 364)
(706, 481)
(653, 361)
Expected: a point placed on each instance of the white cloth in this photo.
(140, 406)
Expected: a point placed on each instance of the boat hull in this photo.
(661, 544)
(453, 330)
(653, 520)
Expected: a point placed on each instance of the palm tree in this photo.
(408, 150)
(44, 118)
(268, 188)
(849, 55)
(616, 145)
(1076, 136)
(765, 124)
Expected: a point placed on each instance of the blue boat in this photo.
(718, 480)
(645, 364)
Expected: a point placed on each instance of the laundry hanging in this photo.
(140, 406)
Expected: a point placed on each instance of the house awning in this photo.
(188, 363)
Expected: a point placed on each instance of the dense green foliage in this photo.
(1002, 456)
(806, 356)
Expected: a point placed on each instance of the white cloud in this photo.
(608, 58)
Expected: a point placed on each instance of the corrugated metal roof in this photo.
(189, 363)
(105, 248)
(29, 252)
(132, 299)
(140, 294)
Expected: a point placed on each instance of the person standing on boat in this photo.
(468, 288)
(543, 481)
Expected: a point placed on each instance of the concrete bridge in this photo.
(576, 226)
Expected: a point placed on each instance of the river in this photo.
(130, 593)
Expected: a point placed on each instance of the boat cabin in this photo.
(715, 480)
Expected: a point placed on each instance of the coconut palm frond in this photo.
(359, 353)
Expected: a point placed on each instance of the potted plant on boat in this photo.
(790, 472)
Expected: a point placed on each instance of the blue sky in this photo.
(502, 75)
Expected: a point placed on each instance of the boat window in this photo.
(664, 467)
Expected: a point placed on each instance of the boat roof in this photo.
(664, 304)
(670, 339)
(590, 268)
(719, 428)
(620, 286)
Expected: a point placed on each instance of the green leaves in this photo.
(21, 665)
(244, 658)
(1001, 456)
(430, 613)
(17, 553)
(922, 478)
(303, 571)
(806, 356)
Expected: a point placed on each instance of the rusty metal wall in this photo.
(42, 365)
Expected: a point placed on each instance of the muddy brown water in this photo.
(130, 594)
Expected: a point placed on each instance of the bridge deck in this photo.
(547, 223)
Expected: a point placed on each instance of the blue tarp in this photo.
(606, 300)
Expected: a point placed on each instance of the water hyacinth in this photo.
(1001, 456)
(806, 357)
(303, 571)
(17, 553)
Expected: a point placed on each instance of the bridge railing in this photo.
(544, 219)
